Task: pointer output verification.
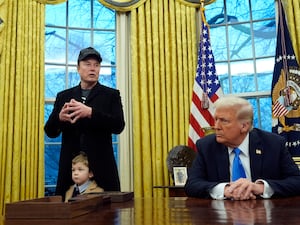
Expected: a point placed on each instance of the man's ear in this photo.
(91, 174)
(245, 126)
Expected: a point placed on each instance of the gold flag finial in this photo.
(202, 3)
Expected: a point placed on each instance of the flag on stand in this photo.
(285, 90)
(207, 88)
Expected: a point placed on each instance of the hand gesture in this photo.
(243, 189)
(74, 110)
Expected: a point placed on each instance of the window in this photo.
(71, 26)
(243, 39)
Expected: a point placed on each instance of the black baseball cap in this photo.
(89, 53)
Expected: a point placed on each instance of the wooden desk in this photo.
(184, 211)
(174, 191)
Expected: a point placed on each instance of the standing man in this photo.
(265, 165)
(87, 115)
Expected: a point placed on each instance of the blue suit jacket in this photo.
(269, 160)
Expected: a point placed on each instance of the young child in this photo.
(82, 177)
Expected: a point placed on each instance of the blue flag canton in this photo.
(284, 49)
(206, 75)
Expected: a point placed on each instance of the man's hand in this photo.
(74, 110)
(243, 189)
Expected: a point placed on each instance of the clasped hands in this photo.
(243, 189)
(74, 110)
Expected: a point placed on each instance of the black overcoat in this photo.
(92, 135)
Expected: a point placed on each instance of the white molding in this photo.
(124, 85)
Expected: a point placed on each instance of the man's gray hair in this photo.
(244, 110)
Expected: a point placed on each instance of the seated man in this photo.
(268, 169)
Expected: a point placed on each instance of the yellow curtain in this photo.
(292, 8)
(21, 100)
(164, 52)
(2, 18)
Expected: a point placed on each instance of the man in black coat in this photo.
(269, 168)
(87, 115)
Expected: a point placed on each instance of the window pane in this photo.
(264, 70)
(222, 70)
(262, 112)
(104, 18)
(105, 42)
(53, 15)
(108, 76)
(237, 10)
(262, 9)
(214, 12)
(52, 152)
(240, 43)
(78, 39)
(80, 13)
(55, 45)
(265, 38)
(218, 39)
(256, 116)
(73, 76)
(115, 148)
(242, 73)
(54, 80)
(266, 113)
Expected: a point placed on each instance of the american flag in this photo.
(285, 88)
(207, 88)
(279, 109)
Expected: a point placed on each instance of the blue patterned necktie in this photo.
(237, 166)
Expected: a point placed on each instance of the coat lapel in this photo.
(94, 92)
(77, 93)
(256, 153)
(222, 159)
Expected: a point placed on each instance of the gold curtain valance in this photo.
(122, 5)
(195, 3)
(118, 5)
(51, 2)
(127, 5)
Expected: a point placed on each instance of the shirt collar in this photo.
(244, 146)
(84, 186)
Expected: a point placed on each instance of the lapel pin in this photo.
(258, 151)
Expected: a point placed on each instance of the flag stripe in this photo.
(279, 110)
(206, 84)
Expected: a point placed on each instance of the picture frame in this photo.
(180, 175)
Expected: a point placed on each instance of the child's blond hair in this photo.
(81, 157)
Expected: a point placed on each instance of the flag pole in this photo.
(205, 101)
(207, 87)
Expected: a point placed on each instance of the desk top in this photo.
(183, 210)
